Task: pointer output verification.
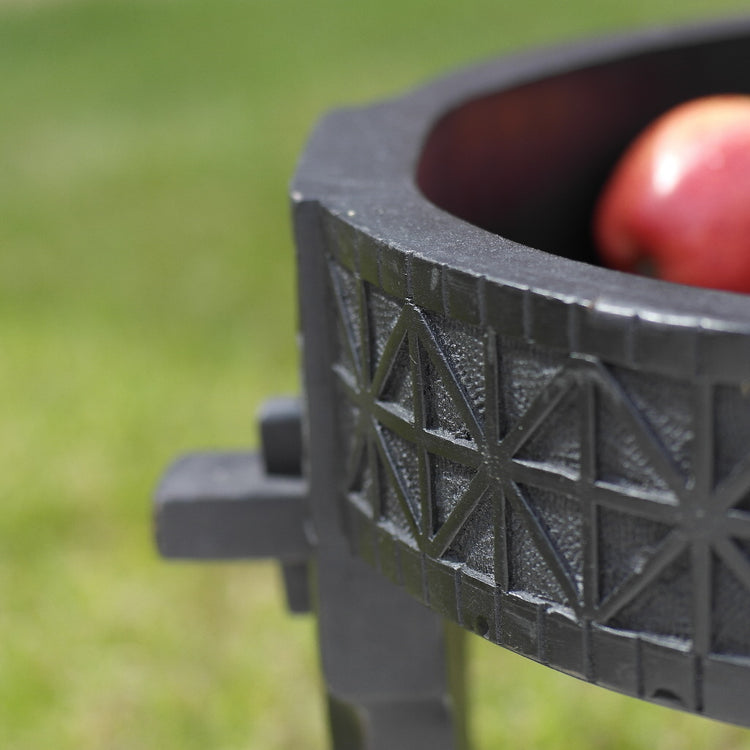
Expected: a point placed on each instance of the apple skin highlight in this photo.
(678, 201)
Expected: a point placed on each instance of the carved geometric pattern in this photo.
(604, 492)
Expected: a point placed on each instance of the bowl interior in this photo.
(528, 162)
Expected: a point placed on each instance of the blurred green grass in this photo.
(147, 308)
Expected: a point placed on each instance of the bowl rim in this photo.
(360, 165)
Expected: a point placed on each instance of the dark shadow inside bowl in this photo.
(528, 162)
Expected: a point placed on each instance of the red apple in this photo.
(678, 202)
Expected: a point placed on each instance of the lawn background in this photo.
(147, 308)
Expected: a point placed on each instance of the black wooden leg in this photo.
(393, 669)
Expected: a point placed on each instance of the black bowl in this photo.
(552, 454)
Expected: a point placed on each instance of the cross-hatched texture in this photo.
(617, 499)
